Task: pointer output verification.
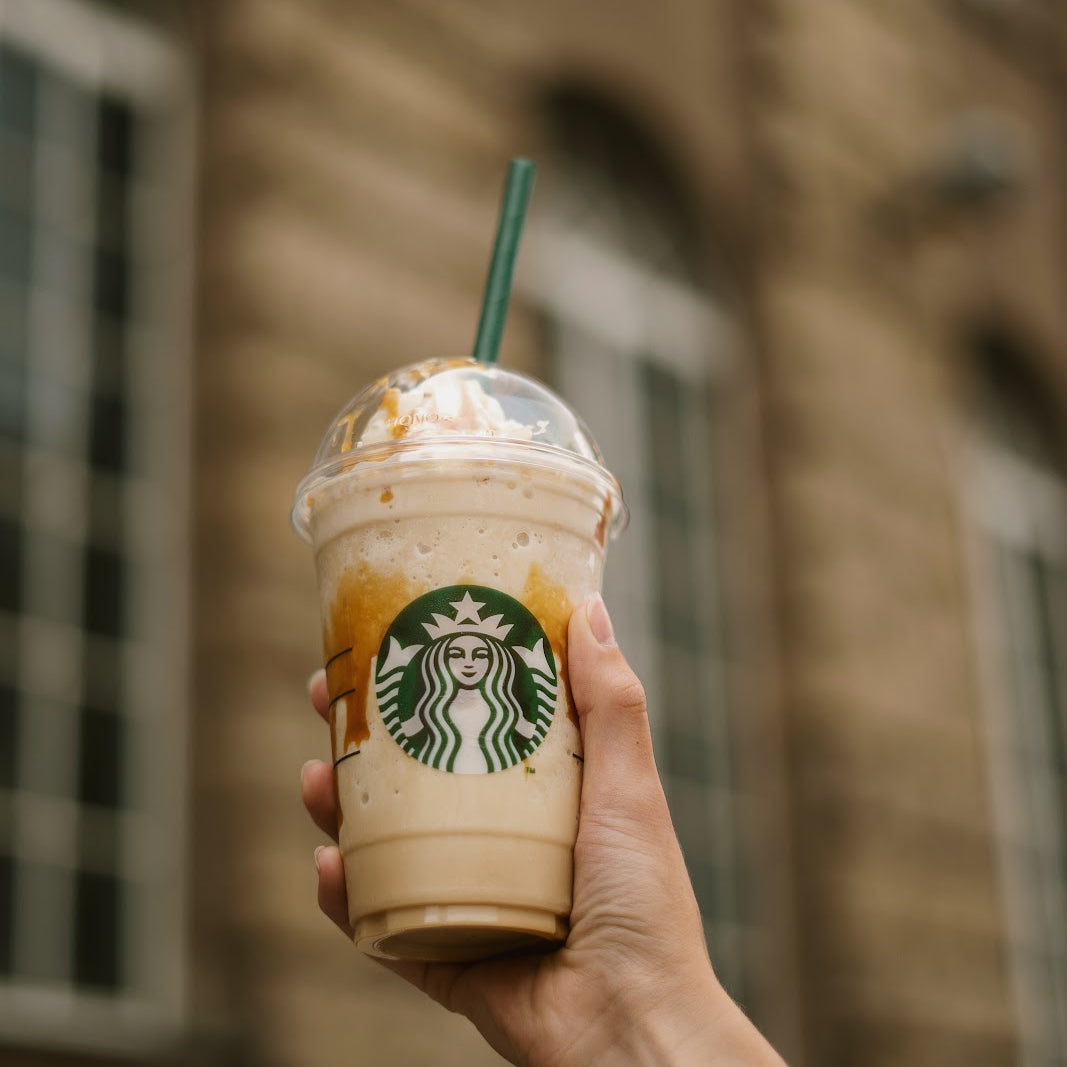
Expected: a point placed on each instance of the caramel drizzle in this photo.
(551, 606)
(364, 605)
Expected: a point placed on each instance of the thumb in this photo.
(620, 768)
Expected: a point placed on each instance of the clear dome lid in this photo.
(441, 407)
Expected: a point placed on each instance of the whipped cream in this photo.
(448, 408)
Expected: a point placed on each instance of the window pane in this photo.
(13, 341)
(65, 116)
(114, 137)
(18, 89)
(107, 432)
(686, 752)
(49, 728)
(105, 510)
(52, 592)
(665, 395)
(8, 734)
(16, 175)
(98, 907)
(42, 903)
(14, 245)
(6, 921)
(102, 757)
(105, 571)
(111, 279)
(10, 562)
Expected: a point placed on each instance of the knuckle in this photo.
(627, 695)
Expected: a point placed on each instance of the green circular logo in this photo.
(466, 681)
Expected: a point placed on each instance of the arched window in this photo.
(1017, 503)
(635, 341)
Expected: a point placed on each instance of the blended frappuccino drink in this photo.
(458, 513)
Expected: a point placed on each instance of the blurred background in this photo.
(802, 267)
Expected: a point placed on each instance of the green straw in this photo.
(498, 282)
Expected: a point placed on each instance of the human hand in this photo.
(633, 984)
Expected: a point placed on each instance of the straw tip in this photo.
(522, 173)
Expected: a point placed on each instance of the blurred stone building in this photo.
(801, 265)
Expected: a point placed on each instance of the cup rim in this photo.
(399, 457)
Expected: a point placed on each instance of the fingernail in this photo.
(314, 677)
(600, 621)
(304, 769)
(318, 852)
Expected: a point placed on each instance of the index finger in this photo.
(320, 697)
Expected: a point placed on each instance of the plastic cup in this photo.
(458, 513)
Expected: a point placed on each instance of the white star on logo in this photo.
(468, 608)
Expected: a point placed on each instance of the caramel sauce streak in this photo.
(552, 607)
(364, 604)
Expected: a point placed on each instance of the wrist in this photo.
(694, 1029)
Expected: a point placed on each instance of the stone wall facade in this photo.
(350, 158)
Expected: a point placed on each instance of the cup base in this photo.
(457, 933)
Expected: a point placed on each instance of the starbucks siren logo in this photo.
(466, 681)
